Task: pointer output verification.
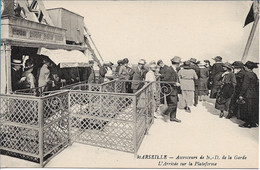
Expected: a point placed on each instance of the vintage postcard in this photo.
(129, 84)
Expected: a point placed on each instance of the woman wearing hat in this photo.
(187, 76)
(249, 93)
(228, 83)
(203, 81)
(30, 79)
(217, 68)
(235, 109)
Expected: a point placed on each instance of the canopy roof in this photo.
(65, 58)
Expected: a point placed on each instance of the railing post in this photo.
(69, 140)
(135, 125)
(41, 126)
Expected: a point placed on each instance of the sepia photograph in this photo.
(162, 84)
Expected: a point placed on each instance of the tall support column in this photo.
(8, 68)
(3, 70)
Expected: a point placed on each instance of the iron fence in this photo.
(104, 115)
(34, 128)
(110, 118)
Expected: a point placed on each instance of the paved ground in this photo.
(201, 132)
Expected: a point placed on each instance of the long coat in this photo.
(250, 92)
(137, 75)
(172, 99)
(16, 76)
(222, 100)
(187, 78)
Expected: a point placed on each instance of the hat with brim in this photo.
(227, 65)
(159, 62)
(142, 62)
(217, 58)
(193, 60)
(176, 59)
(238, 64)
(16, 62)
(251, 65)
(186, 64)
(28, 67)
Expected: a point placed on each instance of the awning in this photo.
(65, 58)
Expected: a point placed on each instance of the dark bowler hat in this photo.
(193, 60)
(251, 65)
(176, 59)
(218, 58)
(28, 65)
(17, 62)
(227, 65)
(238, 64)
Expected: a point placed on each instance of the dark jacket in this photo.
(16, 76)
(216, 68)
(197, 70)
(250, 85)
(172, 76)
(164, 71)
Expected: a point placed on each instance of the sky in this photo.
(155, 30)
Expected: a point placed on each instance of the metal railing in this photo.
(105, 115)
(34, 128)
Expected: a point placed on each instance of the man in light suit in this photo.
(138, 74)
(172, 99)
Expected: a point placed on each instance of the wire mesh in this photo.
(25, 125)
(101, 119)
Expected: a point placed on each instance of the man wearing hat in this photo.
(172, 99)
(138, 74)
(163, 74)
(216, 68)
(16, 74)
(234, 108)
(195, 67)
(92, 77)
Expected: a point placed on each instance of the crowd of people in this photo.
(234, 86)
(44, 75)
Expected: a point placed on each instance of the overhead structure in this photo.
(64, 57)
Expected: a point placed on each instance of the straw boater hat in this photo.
(17, 62)
(217, 58)
(176, 59)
